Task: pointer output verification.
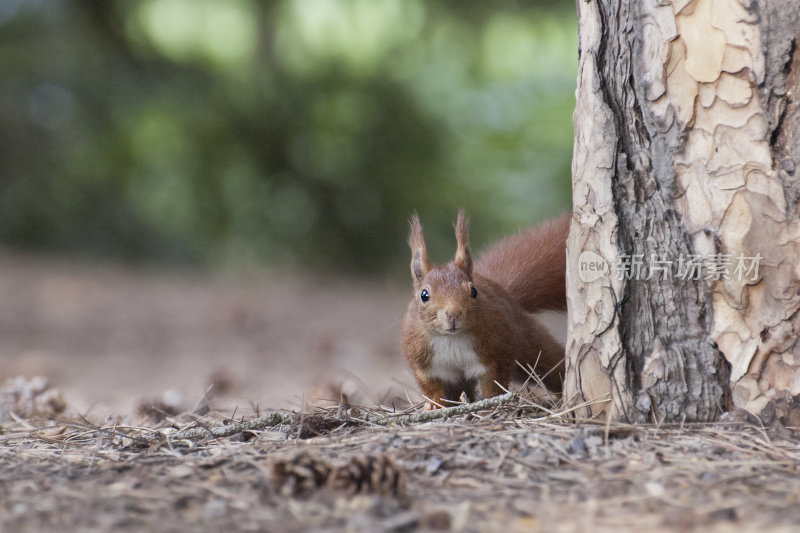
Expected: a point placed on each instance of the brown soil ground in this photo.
(110, 336)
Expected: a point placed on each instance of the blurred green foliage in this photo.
(294, 132)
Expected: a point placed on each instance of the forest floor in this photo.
(126, 434)
(508, 468)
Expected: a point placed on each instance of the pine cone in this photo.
(300, 475)
(369, 475)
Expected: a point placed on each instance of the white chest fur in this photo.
(454, 359)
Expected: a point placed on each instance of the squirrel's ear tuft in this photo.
(463, 258)
(419, 253)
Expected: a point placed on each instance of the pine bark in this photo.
(687, 139)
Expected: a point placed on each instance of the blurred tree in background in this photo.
(280, 132)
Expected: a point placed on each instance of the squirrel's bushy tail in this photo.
(531, 265)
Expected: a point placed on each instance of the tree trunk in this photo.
(683, 274)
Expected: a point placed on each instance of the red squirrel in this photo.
(467, 325)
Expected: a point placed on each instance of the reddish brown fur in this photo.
(419, 253)
(531, 265)
(502, 332)
(463, 259)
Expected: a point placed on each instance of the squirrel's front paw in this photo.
(430, 406)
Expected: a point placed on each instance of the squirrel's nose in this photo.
(453, 315)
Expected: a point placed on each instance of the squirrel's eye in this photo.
(473, 292)
(424, 295)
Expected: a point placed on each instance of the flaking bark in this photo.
(685, 146)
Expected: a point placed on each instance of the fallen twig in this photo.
(275, 418)
(446, 412)
(218, 432)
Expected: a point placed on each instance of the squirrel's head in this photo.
(445, 296)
